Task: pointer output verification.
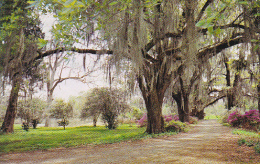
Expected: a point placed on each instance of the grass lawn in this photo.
(45, 138)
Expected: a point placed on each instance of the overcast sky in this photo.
(72, 87)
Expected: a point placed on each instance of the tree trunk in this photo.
(155, 122)
(178, 99)
(8, 124)
(228, 80)
(186, 107)
(94, 121)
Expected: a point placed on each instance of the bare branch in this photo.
(84, 51)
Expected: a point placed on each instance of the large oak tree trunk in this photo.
(155, 122)
(8, 124)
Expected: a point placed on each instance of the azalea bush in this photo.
(176, 126)
(167, 119)
(143, 121)
(193, 120)
(249, 120)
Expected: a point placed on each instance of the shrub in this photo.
(34, 123)
(167, 118)
(143, 121)
(25, 126)
(235, 119)
(64, 122)
(193, 120)
(176, 126)
(257, 147)
(249, 120)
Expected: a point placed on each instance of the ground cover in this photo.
(45, 138)
(248, 138)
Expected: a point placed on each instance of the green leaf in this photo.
(255, 40)
(217, 31)
(79, 4)
(42, 43)
(256, 48)
(243, 2)
(66, 11)
(30, 2)
(113, 3)
(210, 29)
(201, 23)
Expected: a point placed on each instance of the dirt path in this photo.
(208, 142)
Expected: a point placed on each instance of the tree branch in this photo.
(214, 101)
(209, 52)
(57, 50)
(203, 10)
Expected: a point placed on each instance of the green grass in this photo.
(245, 133)
(248, 138)
(45, 138)
(211, 116)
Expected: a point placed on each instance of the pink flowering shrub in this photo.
(167, 118)
(235, 119)
(143, 121)
(249, 120)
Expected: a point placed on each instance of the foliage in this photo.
(62, 110)
(108, 103)
(193, 120)
(31, 110)
(168, 118)
(137, 113)
(249, 138)
(25, 126)
(257, 147)
(176, 126)
(143, 121)
(19, 33)
(249, 120)
(64, 122)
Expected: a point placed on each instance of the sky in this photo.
(72, 87)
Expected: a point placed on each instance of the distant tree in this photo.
(62, 110)
(31, 110)
(107, 102)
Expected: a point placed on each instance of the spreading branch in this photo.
(214, 101)
(85, 51)
(208, 52)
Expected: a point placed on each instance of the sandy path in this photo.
(208, 142)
